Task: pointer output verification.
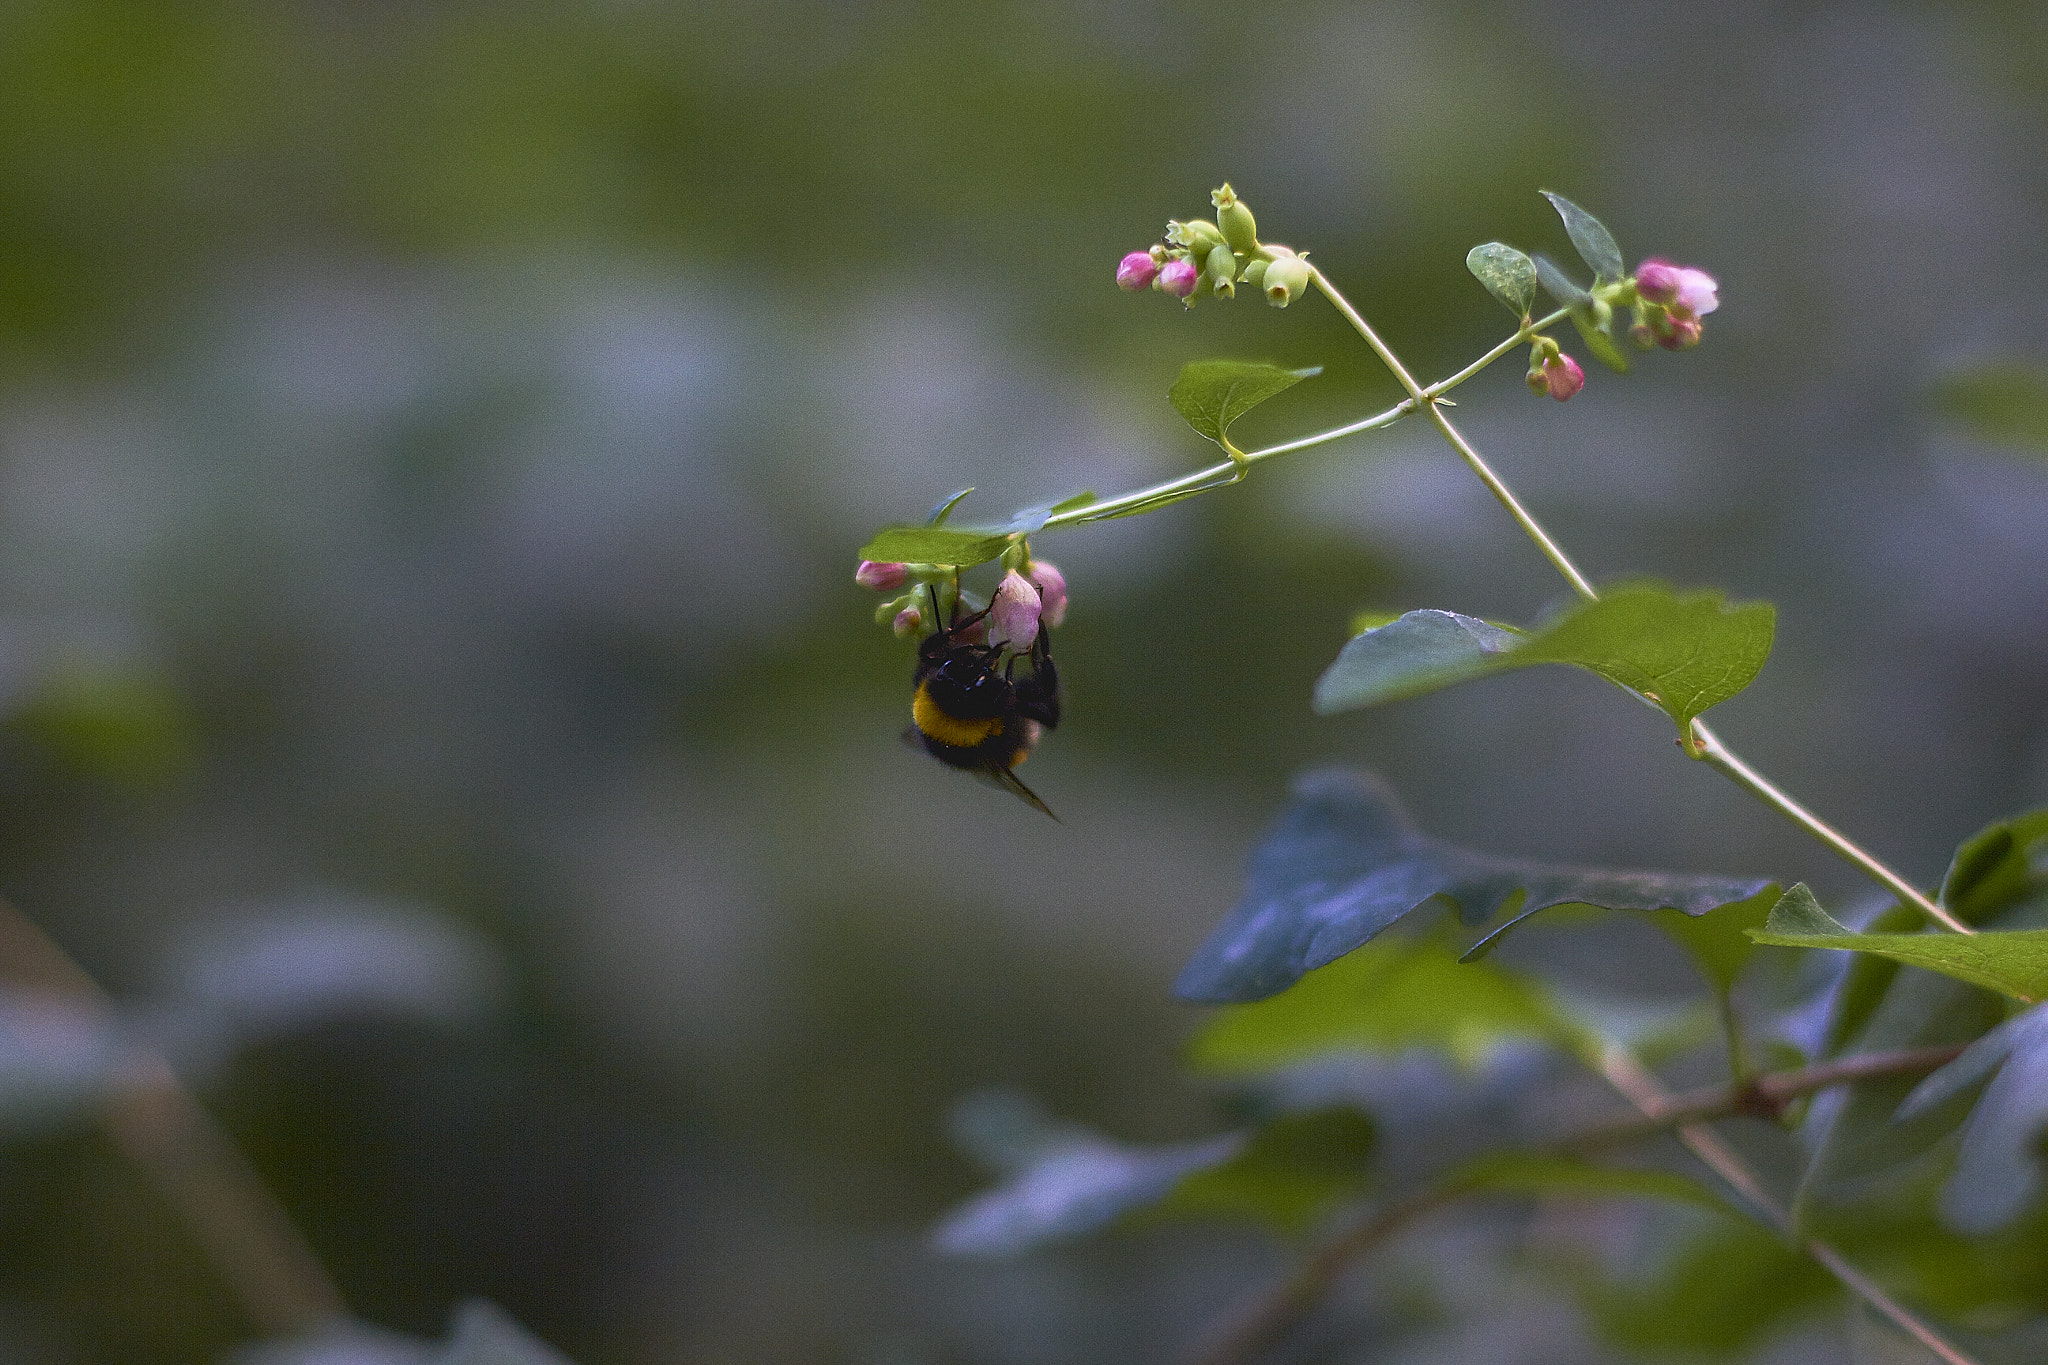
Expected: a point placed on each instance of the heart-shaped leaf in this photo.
(1211, 394)
(2012, 962)
(1684, 652)
(1344, 863)
(1508, 275)
(1590, 236)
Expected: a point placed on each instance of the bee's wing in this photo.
(1009, 781)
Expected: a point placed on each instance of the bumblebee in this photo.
(968, 710)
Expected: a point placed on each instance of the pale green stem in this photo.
(1705, 744)
(1229, 471)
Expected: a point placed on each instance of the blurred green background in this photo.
(433, 443)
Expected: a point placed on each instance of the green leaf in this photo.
(1598, 339)
(1079, 500)
(1507, 274)
(1211, 394)
(1998, 1170)
(1294, 1170)
(1590, 236)
(2013, 962)
(1559, 285)
(935, 545)
(482, 1334)
(1997, 867)
(1343, 863)
(1061, 1180)
(1719, 944)
(2006, 404)
(1539, 1173)
(1390, 996)
(1720, 1291)
(1687, 653)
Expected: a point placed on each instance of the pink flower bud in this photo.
(1684, 288)
(882, 577)
(1562, 376)
(1013, 616)
(907, 622)
(1684, 334)
(1657, 280)
(1052, 591)
(1178, 278)
(1136, 271)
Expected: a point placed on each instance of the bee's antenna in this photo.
(933, 589)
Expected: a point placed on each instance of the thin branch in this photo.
(1262, 1323)
(156, 1123)
(1628, 1075)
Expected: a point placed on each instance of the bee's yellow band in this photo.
(961, 734)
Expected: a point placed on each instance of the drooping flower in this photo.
(1013, 614)
(1686, 290)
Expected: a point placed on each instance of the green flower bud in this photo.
(1253, 274)
(1221, 269)
(1285, 280)
(1235, 220)
(1198, 235)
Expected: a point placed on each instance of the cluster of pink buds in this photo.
(1670, 301)
(1200, 257)
(1552, 373)
(1033, 593)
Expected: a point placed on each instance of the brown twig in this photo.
(1265, 1320)
(156, 1123)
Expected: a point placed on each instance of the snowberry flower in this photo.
(907, 622)
(882, 577)
(1136, 271)
(1178, 278)
(1686, 290)
(1562, 377)
(1052, 591)
(1013, 615)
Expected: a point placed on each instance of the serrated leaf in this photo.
(935, 545)
(1289, 1175)
(2013, 962)
(1390, 996)
(1211, 394)
(2005, 404)
(1998, 1171)
(1343, 863)
(1072, 1184)
(1685, 652)
(1540, 1173)
(1508, 275)
(483, 1334)
(1595, 244)
(1559, 285)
